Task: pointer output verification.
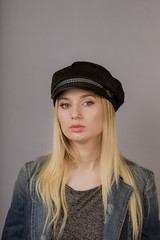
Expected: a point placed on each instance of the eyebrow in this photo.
(83, 96)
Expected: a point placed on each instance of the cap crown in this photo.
(88, 76)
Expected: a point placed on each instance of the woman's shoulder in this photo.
(138, 171)
(143, 177)
(31, 167)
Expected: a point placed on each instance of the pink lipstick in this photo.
(77, 127)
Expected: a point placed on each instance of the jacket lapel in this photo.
(117, 207)
(38, 218)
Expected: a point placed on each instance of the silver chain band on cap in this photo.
(83, 80)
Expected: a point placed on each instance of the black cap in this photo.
(91, 77)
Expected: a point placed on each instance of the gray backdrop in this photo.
(38, 37)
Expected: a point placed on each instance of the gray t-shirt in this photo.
(85, 215)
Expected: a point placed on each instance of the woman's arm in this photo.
(151, 224)
(16, 218)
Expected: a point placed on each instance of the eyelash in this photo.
(63, 105)
(88, 104)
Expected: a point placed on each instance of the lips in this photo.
(77, 127)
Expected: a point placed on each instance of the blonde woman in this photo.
(84, 189)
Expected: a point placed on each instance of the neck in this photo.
(88, 155)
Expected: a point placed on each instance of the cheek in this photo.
(99, 120)
(61, 116)
(62, 120)
(95, 121)
(98, 113)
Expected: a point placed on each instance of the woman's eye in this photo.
(65, 105)
(87, 103)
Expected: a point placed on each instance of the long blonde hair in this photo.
(53, 175)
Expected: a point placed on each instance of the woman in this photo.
(85, 189)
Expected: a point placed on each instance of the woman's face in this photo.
(80, 115)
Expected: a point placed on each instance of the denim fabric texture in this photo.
(27, 214)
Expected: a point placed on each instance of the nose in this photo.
(76, 112)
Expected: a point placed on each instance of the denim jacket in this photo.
(27, 214)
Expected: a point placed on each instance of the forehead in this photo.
(75, 92)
